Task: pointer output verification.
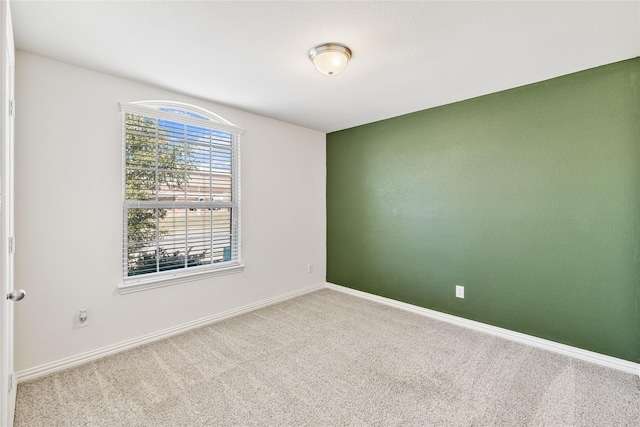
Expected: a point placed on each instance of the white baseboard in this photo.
(567, 350)
(49, 368)
(589, 356)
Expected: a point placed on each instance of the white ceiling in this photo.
(407, 56)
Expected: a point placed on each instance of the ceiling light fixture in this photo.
(330, 58)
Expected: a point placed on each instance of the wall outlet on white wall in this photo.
(310, 268)
(460, 291)
(82, 318)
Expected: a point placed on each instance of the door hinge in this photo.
(12, 107)
(12, 244)
(11, 381)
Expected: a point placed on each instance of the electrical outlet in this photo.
(459, 291)
(310, 268)
(82, 318)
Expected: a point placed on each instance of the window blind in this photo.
(181, 190)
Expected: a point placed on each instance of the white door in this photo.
(8, 295)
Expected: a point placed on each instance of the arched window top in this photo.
(186, 112)
(185, 109)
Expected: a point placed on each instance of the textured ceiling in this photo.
(407, 56)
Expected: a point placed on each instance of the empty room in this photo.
(320, 213)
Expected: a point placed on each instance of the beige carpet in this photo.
(329, 359)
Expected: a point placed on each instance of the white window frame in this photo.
(157, 110)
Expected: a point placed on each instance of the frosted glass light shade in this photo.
(330, 58)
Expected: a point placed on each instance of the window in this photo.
(181, 193)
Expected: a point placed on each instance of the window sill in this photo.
(137, 284)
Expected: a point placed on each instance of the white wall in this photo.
(69, 215)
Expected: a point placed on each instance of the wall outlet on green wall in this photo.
(460, 291)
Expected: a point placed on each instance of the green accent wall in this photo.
(529, 197)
